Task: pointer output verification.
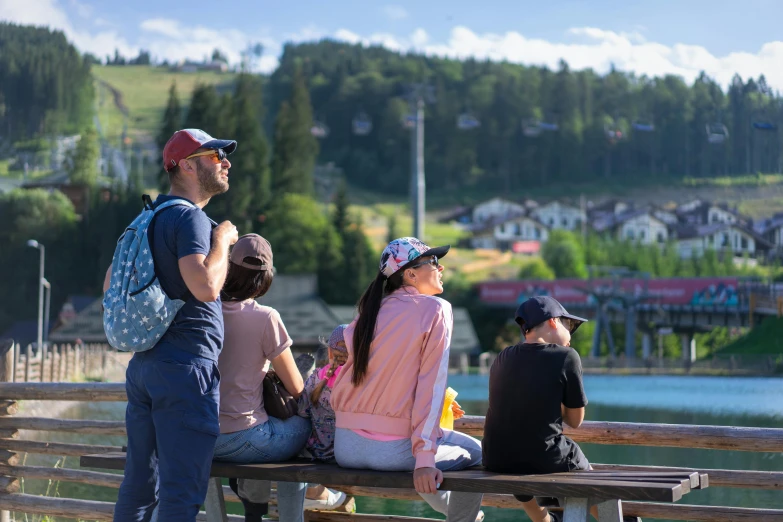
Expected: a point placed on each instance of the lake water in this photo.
(728, 401)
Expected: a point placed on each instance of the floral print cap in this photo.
(403, 250)
(338, 335)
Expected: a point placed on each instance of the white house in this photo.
(689, 206)
(611, 206)
(772, 230)
(496, 208)
(503, 232)
(706, 213)
(559, 215)
(639, 226)
(667, 216)
(642, 227)
(721, 237)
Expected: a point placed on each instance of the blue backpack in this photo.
(136, 310)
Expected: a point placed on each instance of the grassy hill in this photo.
(765, 339)
(141, 93)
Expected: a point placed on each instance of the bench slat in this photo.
(471, 480)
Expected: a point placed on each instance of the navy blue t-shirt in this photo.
(197, 329)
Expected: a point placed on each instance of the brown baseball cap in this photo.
(255, 246)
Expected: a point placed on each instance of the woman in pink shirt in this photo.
(389, 395)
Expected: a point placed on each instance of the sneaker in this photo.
(480, 516)
(335, 500)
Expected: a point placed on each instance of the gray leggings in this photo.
(456, 451)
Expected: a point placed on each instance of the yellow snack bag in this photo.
(447, 417)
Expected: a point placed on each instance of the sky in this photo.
(684, 37)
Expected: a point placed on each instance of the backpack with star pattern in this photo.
(136, 310)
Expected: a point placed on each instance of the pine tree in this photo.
(391, 228)
(251, 166)
(340, 216)
(204, 110)
(249, 195)
(360, 264)
(295, 148)
(84, 160)
(172, 122)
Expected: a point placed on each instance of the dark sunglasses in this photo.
(218, 155)
(432, 261)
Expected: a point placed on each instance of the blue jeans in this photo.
(275, 440)
(172, 424)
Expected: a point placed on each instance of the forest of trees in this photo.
(45, 84)
(658, 126)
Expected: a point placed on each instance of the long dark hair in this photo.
(364, 332)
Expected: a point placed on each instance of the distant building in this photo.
(496, 208)
(638, 226)
(725, 238)
(188, 66)
(503, 232)
(771, 229)
(558, 215)
(707, 213)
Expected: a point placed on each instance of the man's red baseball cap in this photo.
(185, 142)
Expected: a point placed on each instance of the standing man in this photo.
(173, 388)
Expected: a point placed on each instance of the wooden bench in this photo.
(578, 491)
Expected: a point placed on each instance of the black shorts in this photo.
(575, 461)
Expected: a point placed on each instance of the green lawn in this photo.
(144, 91)
(765, 339)
(760, 208)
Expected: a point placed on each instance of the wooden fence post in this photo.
(52, 365)
(7, 408)
(68, 362)
(42, 368)
(104, 356)
(61, 363)
(27, 355)
(16, 350)
(77, 354)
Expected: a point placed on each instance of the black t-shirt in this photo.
(197, 329)
(524, 427)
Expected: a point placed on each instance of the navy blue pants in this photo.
(172, 424)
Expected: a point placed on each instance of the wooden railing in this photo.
(60, 362)
(634, 434)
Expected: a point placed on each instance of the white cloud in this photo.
(347, 36)
(48, 13)
(170, 40)
(395, 12)
(580, 47)
(83, 10)
(307, 33)
(594, 48)
(162, 26)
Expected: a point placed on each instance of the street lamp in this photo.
(48, 286)
(32, 243)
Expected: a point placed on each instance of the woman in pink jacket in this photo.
(389, 396)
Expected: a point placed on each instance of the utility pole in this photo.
(418, 95)
(418, 186)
